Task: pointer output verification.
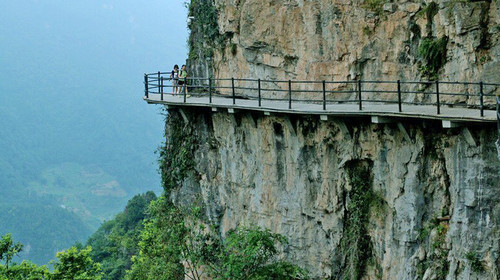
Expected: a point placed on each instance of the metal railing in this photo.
(480, 96)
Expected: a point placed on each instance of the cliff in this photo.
(346, 40)
(353, 199)
(356, 200)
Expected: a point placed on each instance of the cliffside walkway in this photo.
(451, 102)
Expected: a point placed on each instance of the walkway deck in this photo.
(448, 114)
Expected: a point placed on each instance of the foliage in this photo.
(355, 243)
(24, 271)
(429, 10)
(205, 36)
(176, 158)
(162, 244)
(116, 241)
(73, 264)
(367, 31)
(174, 246)
(376, 6)
(439, 256)
(234, 49)
(76, 264)
(474, 261)
(438, 260)
(248, 253)
(433, 55)
(427, 228)
(9, 249)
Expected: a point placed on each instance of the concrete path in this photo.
(448, 115)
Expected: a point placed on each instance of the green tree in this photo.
(76, 264)
(73, 264)
(9, 249)
(250, 253)
(175, 244)
(24, 271)
(116, 241)
(160, 255)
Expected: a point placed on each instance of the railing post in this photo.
(258, 88)
(399, 96)
(481, 98)
(161, 88)
(359, 96)
(185, 89)
(232, 87)
(146, 86)
(324, 95)
(210, 90)
(438, 103)
(159, 75)
(289, 94)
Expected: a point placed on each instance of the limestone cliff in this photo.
(353, 199)
(356, 200)
(344, 39)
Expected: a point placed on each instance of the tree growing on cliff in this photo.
(250, 253)
(176, 245)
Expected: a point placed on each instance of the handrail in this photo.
(474, 95)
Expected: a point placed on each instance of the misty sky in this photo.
(61, 38)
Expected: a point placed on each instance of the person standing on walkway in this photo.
(183, 74)
(175, 79)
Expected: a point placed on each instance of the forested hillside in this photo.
(117, 240)
(77, 142)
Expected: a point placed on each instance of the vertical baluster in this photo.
(289, 94)
(324, 95)
(438, 101)
(185, 89)
(258, 88)
(146, 86)
(359, 95)
(399, 97)
(161, 88)
(210, 90)
(158, 82)
(234, 94)
(481, 98)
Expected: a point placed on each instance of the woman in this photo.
(175, 79)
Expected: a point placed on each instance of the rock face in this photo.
(347, 40)
(356, 200)
(425, 201)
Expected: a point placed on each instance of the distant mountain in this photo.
(76, 139)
